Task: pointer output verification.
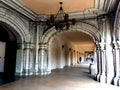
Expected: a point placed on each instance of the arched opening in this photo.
(71, 48)
(85, 28)
(8, 52)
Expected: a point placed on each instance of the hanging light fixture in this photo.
(60, 20)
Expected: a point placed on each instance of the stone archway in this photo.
(15, 22)
(16, 26)
(82, 27)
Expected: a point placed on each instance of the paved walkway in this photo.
(72, 78)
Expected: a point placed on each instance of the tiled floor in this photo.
(6, 80)
(72, 78)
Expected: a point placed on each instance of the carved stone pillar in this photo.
(98, 62)
(77, 57)
(116, 63)
(109, 54)
(36, 47)
(19, 59)
(69, 57)
(74, 57)
(100, 48)
(43, 60)
(95, 54)
(26, 59)
(103, 63)
(31, 62)
(62, 57)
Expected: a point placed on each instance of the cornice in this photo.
(101, 7)
(19, 7)
(106, 5)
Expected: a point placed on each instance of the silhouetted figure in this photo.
(80, 59)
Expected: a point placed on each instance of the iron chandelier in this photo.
(60, 20)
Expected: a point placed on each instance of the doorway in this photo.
(9, 56)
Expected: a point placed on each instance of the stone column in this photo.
(77, 57)
(19, 58)
(62, 59)
(73, 57)
(43, 60)
(22, 59)
(36, 47)
(95, 55)
(103, 63)
(69, 57)
(98, 62)
(49, 60)
(109, 54)
(31, 63)
(116, 63)
(26, 59)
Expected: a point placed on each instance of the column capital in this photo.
(43, 45)
(102, 45)
(28, 46)
(116, 44)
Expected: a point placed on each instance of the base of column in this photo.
(26, 72)
(119, 82)
(116, 81)
(109, 79)
(43, 72)
(98, 77)
(103, 78)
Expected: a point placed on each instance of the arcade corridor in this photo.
(45, 45)
(69, 78)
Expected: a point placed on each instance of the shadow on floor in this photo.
(6, 79)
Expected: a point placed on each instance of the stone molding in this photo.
(19, 7)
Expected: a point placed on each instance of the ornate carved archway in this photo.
(9, 19)
(16, 25)
(83, 27)
(80, 27)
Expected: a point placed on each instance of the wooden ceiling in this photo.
(52, 6)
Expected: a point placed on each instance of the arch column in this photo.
(62, 57)
(36, 47)
(74, 57)
(43, 64)
(77, 57)
(95, 55)
(102, 63)
(98, 62)
(69, 57)
(19, 61)
(116, 52)
(109, 54)
(27, 61)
